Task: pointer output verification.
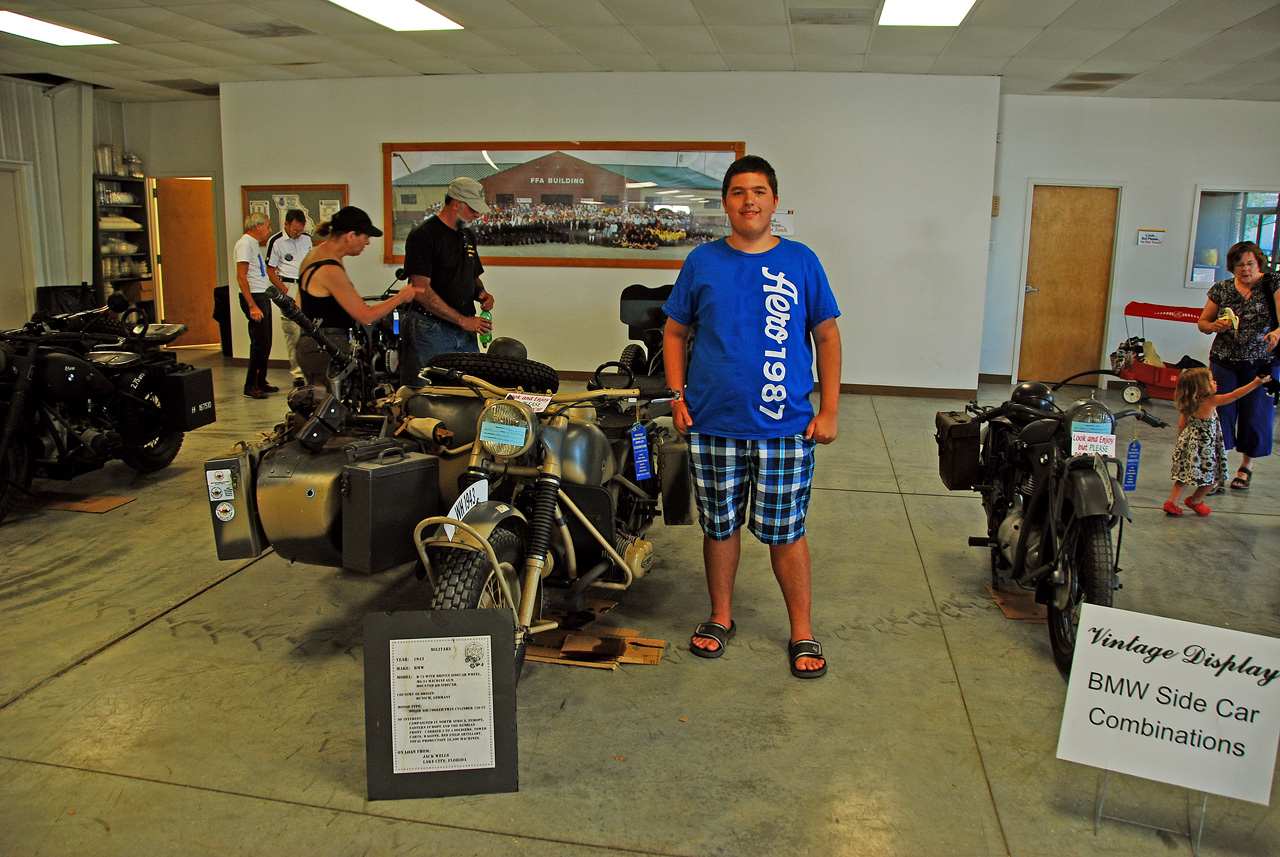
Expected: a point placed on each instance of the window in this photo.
(1226, 217)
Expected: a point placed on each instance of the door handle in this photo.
(1029, 289)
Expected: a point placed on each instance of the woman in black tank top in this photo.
(327, 294)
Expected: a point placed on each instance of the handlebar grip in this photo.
(1154, 421)
(439, 373)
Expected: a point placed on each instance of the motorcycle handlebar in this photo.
(1139, 413)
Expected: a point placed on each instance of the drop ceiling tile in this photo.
(428, 63)
(691, 62)
(990, 41)
(1018, 85)
(1114, 66)
(167, 23)
(532, 42)
(567, 13)
(1263, 92)
(387, 44)
(144, 58)
(833, 40)
(1244, 76)
(624, 62)
(599, 40)
(221, 14)
(909, 41)
(760, 62)
(1239, 44)
(898, 63)
(947, 64)
(374, 68)
(830, 62)
(752, 39)
(457, 43)
(210, 54)
(1209, 14)
(74, 4)
(476, 14)
(1016, 13)
(318, 16)
(738, 12)
(1064, 43)
(101, 25)
(654, 12)
(1179, 73)
(1112, 14)
(499, 64)
(1134, 89)
(675, 40)
(1152, 45)
(1038, 67)
(560, 63)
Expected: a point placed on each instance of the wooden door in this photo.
(189, 262)
(1064, 311)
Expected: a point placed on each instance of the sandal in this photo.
(1171, 508)
(1218, 489)
(806, 649)
(1199, 508)
(1240, 483)
(713, 631)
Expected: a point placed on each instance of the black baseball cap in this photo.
(352, 219)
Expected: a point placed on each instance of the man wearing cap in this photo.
(285, 250)
(440, 257)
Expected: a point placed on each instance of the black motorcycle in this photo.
(1050, 511)
(82, 389)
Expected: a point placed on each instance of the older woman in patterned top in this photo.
(1237, 353)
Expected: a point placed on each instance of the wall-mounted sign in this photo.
(783, 224)
(1175, 702)
(1150, 236)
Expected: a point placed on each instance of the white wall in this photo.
(890, 176)
(1156, 151)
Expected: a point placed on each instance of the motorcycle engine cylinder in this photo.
(637, 552)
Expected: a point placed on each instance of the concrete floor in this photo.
(154, 700)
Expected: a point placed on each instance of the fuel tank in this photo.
(70, 377)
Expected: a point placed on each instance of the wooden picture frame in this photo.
(319, 201)
(566, 204)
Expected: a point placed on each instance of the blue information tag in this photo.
(640, 448)
(1131, 466)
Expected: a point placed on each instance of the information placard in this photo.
(440, 703)
(1172, 701)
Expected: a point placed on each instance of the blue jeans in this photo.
(1247, 423)
(424, 336)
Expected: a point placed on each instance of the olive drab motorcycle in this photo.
(1050, 512)
(497, 483)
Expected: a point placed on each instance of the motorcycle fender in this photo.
(484, 518)
(1088, 495)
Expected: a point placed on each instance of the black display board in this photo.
(440, 703)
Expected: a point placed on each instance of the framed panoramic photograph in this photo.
(566, 204)
(318, 201)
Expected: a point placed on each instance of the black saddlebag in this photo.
(958, 449)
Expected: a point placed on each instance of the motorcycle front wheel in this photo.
(1090, 576)
(15, 472)
(465, 579)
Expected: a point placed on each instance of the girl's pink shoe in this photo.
(1199, 508)
(1171, 508)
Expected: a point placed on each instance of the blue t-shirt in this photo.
(751, 371)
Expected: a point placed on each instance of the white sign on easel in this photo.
(1176, 702)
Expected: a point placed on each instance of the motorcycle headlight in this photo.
(507, 428)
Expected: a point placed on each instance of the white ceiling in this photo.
(182, 49)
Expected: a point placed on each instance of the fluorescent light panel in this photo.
(42, 31)
(924, 13)
(400, 15)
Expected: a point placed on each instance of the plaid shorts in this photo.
(777, 473)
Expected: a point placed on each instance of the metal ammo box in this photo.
(383, 499)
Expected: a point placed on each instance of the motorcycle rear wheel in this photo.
(1090, 573)
(158, 452)
(465, 579)
(15, 473)
(532, 376)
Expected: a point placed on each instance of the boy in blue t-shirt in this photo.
(754, 302)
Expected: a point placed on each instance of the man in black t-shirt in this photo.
(440, 256)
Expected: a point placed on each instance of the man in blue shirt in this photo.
(754, 302)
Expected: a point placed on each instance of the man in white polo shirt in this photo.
(251, 276)
(285, 251)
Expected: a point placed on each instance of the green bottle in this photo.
(487, 336)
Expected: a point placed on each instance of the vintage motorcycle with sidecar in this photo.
(1050, 511)
(559, 489)
(81, 389)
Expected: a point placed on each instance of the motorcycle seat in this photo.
(114, 359)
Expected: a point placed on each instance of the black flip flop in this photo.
(713, 631)
(806, 649)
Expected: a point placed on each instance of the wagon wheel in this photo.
(1134, 393)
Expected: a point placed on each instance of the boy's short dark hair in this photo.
(295, 215)
(749, 164)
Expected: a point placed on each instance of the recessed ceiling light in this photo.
(642, 184)
(400, 15)
(42, 31)
(924, 13)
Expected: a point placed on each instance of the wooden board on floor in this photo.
(1019, 604)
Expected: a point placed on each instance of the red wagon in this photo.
(1145, 380)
